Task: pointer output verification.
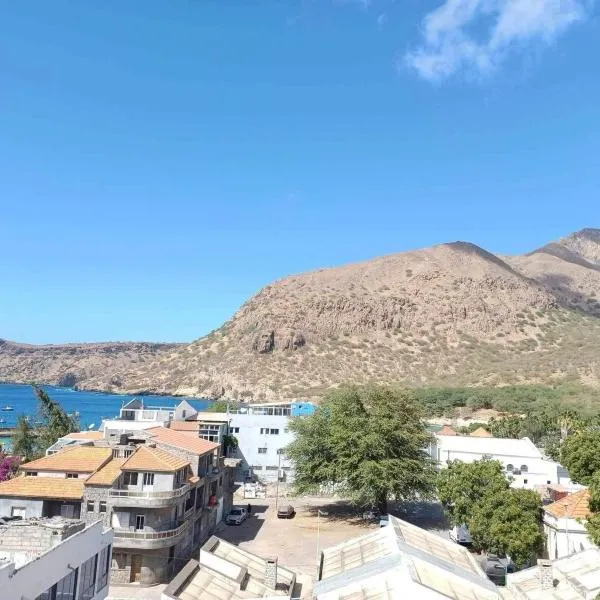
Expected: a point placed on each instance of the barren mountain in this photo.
(84, 365)
(450, 314)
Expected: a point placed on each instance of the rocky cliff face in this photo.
(91, 366)
(453, 313)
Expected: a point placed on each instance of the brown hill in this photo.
(85, 365)
(450, 314)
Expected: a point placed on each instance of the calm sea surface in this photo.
(92, 406)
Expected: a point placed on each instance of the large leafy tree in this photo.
(580, 454)
(55, 422)
(593, 521)
(508, 522)
(462, 485)
(500, 519)
(369, 443)
(24, 442)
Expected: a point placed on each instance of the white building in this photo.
(262, 432)
(54, 559)
(575, 577)
(564, 525)
(521, 459)
(401, 561)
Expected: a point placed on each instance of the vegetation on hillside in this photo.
(501, 520)
(367, 443)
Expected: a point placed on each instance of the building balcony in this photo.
(148, 499)
(148, 540)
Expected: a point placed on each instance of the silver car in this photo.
(236, 516)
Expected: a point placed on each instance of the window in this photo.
(72, 476)
(548, 482)
(510, 468)
(148, 479)
(140, 521)
(127, 452)
(281, 451)
(63, 590)
(67, 511)
(272, 468)
(267, 431)
(115, 453)
(524, 468)
(104, 568)
(102, 506)
(262, 450)
(183, 413)
(17, 511)
(88, 578)
(263, 430)
(257, 467)
(31, 473)
(130, 478)
(90, 506)
(525, 481)
(234, 430)
(274, 431)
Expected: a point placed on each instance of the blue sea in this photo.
(92, 406)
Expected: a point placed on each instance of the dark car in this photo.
(286, 512)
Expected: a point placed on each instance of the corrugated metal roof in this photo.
(494, 446)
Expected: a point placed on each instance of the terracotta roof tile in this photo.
(447, 430)
(43, 487)
(86, 435)
(183, 440)
(184, 425)
(481, 432)
(81, 459)
(573, 506)
(153, 459)
(107, 474)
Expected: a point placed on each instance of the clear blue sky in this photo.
(161, 161)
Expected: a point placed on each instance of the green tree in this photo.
(593, 521)
(56, 423)
(24, 441)
(221, 406)
(462, 485)
(580, 454)
(369, 443)
(508, 522)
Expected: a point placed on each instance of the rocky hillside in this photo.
(82, 365)
(450, 314)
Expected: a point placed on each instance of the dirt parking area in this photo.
(295, 542)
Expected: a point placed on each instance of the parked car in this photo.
(236, 516)
(460, 534)
(384, 521)
(496, 567)
(286, 512)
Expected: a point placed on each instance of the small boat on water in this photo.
(7, 408)
(2, 420)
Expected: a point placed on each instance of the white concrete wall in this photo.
(35, 577)
(119, 425)
(163, 482)
(250, 439)
(565, 536)
(539, 470)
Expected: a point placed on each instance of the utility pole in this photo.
(277, 486)
(319, 513)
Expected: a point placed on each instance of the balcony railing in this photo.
(131, 494)
(151, 535)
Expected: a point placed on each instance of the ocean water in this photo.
(92, 406)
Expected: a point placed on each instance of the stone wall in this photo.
(96, 494)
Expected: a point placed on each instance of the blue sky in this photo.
(162, 161)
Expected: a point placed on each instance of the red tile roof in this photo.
(573, 506)
(183, 440)
(447, 430)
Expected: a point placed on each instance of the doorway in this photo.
(136, 568)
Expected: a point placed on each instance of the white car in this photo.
(236, 516)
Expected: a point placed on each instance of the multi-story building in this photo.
(162, 492)
(261, 430)
(54, 559)
(522, 460)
